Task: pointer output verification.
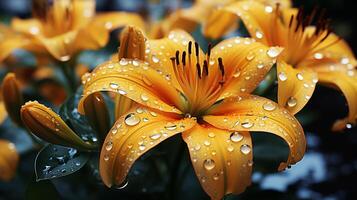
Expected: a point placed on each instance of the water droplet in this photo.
(273, 52)
(299, 76)
(142, 147)
(65, 58)
(236, 137)
(216, 176)
(268, 9)
(209, 164)
(109, 145)
(207, 143)
(260, 66)
(77, 164)
(63, 170)
(318, 56)
(197, 147)
(348, 126)
(106, 158)
(211, 135)
(46, 169)
(245, 149)
(291, 102)
(282, 76)
(122, 186)
(170, 126)
(114, 131)
(230, 148)
(155, 136)
(155, 59)
(135, 63)
(113, 86)
(144, 97)
(345, 60)
(259, 34)
(269, 106)
(247, 124)
(250, 56)
(237, 73)
(123, 62)
(131, 119)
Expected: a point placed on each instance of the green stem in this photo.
(68, 70)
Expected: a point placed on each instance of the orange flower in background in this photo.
(189, 18)
(311, 54)
(62, 28)
(179, 89)
(8, 160)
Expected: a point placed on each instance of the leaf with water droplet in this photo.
(55, 161)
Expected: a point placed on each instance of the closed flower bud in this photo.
(97, 114)
(9, 159)
(12, 97)
(48, 125)
(132, 44)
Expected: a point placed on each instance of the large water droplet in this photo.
(123, 62)
(282, 76)
(113, 86)
(236, 137)
(131, 119)
(142, 147)
(209, 164)
(269, 106)
(259, 34)
(299, 76)
(170, 126)
(155, 136)
(291, 102)
(155, 59)
(247, 124)
(273, 52)
(109, 145)
(245, 149)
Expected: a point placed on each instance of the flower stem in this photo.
(68, 70)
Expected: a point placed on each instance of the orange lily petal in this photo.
(27, 26)
(256, 16)
(122, 105)
(3, 113)
(82, 12)
(347, 83)
(132, 135)
(245, 63)
(9, 159)
(10, 41)
(222, 165)
(295, 87)
(134, 79)
(253, 113)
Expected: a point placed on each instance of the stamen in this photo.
(198, 67)
(220, 64)
(209, 49)
(205, 68)
(197, 49)
(184, 58)
(177, 58)
(291, 20)
(190, 48)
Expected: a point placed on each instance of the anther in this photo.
(198, 67)
(221, 67)
(197, 49)
(184, 58)
(177, 58)
(190, 48)
(205, 68)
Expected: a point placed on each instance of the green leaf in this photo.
(55, 161)
(75, 120)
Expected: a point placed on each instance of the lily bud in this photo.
(97, 114)
(48, 125)
(9, 159)
(132, 44)
(12, 97)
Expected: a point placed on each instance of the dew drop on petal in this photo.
(292, 102)
(123, 62)
(259, 34)
(318, 56)
(273, 52)
(247, 124)
(155, 136)
(282, 76)
(236, 137)
(144, 97)
(106, 158)
(209, 164)
(269, 106)
(299, 76)
(131, 119)
(170, 126)
(245, 149)
(109, 145)
(142, 147)
(113, 86)
(155, 59)
(268, 9)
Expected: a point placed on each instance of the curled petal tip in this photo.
(132, 44)
(47, 125)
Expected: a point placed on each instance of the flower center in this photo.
(302, 40)
(201, 80)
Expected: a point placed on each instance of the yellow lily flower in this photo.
(62, 28)
(179, 89)
(8, 160)
(312, 54)
(189, 18)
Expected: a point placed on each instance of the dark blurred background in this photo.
(327, 172)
